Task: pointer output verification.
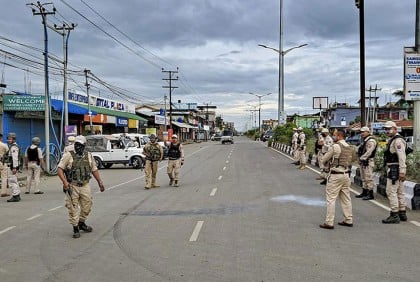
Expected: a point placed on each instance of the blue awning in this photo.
(72, 108)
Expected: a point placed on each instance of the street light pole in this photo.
(280, 111)
(259, 96)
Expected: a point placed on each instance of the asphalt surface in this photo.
(242, 213)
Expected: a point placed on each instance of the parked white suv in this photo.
(108, 150)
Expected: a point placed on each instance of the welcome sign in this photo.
(20, 103)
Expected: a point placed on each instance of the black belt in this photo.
(338, 172)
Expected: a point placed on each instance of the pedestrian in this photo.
(394, 160)
(70, 144)
(154, 154)
(13, 164)
(301, 148)
(338, 185)
(295, 152)
(366, 154)
(175, 160)
(326, 145)
(4, 149)
(34, 162)
(74, 170)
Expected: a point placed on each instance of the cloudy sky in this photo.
(214, 43)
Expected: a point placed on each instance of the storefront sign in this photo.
(20, 103)
(121, 122)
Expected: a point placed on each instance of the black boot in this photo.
(402, 215)
(84, 227)
(176, 184)
(76, 233)
(369, 196)
(364, 193)
(323, 182)
(393, 218)
(14, 199)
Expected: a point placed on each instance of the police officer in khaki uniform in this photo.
(13, 163)
(366, 153)
(394, 160)
(154, 154)
(295, 151)
(70, 144)
(318, 149)
(326, 145)
(4, 149)
(74, 170)
(338, 185)
(34, 161)
(175, 160)
(301, 148)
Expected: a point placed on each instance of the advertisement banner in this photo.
(411, 74)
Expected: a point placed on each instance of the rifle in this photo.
(69, 191)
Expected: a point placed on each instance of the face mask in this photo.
(334, 138)
(79, 148)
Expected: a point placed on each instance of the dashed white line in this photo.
(224, 168)
(415, 223)
(7, 229)
(56, 208)
(213, 192)
(227, 162)
(33, 217)
(220, 177)
(196, 232)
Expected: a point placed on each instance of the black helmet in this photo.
(152, 136)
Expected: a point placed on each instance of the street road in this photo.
(242, 213)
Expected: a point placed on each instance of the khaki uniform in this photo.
(366, 171)
(302, 149)
(81, 194)
(295, 146)
(320, 154)
(152, 163)
(34, 171)
(174, 164)
(3, 168)
(338, 185)
(325, 168)
(395, 191)
(12, 178)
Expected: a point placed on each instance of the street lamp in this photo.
(259, 96)
(280, 110)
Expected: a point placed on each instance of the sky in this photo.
(214, 45)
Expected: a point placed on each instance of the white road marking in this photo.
(194, 235)
(227, 162)
(224, 168)
(7, 229)
(33, 217)
(220, 177)
(56, 208)
(415, 223)
(213, 192)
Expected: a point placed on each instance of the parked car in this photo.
(267, 135)
(108, 150)
(354, 140)
(216, 137)
(142, 140)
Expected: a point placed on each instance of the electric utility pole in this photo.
(39, 9)
(88, 98)
(64, 30)
(170, 73)
(361, 6)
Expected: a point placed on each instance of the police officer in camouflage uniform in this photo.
(338, 184)
(74, 170)
(366, 153)
(154, 154)
(394, 160)
(13, 163)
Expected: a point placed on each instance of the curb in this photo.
(411, 189)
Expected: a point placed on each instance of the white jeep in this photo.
(108, 150)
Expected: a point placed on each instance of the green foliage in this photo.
(412, 161)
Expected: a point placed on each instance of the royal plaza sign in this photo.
(20, 103)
